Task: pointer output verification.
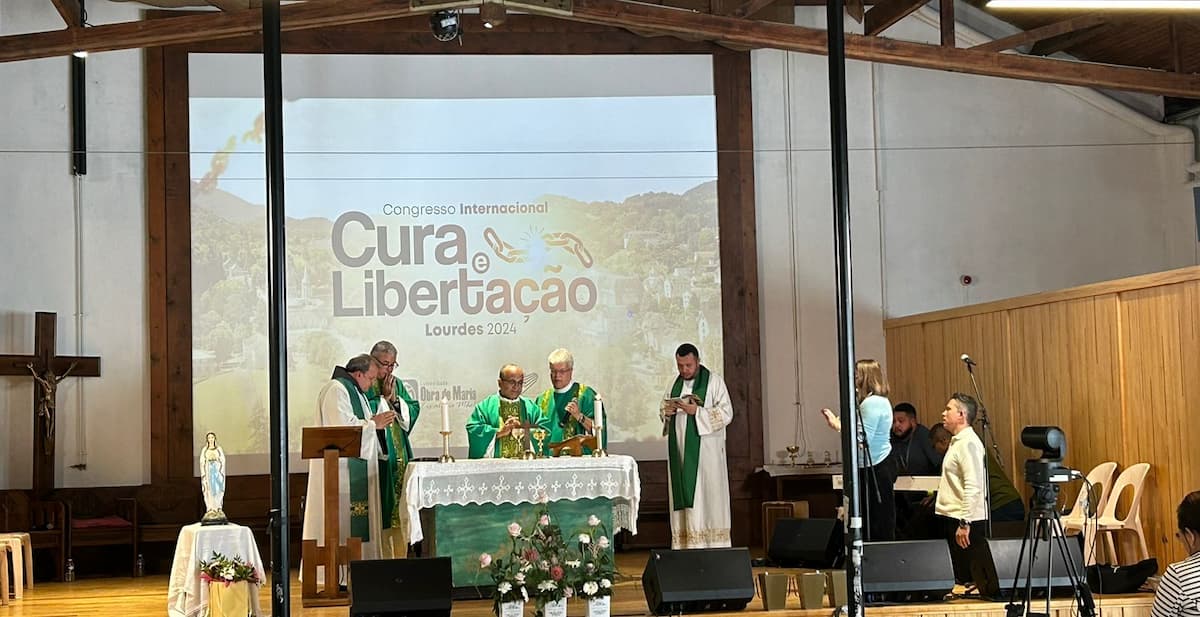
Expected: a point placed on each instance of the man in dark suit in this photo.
(913, 454)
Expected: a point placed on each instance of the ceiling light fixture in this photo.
(1099, 5)
(492, 14)
(446, 25)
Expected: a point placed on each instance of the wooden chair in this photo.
(1133, 478)
(48, 529)
(1082, 518)
(120, 529)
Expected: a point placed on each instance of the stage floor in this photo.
(136, 597)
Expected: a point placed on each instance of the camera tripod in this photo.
(1045, 524)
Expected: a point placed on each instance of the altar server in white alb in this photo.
(342, 402)
(695, 412)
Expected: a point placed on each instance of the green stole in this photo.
(547, 401)
(683, 471)
(391, 471)
(360, 524)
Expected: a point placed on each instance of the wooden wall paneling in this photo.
(1160, 344)
(905, 365)
(156, 257)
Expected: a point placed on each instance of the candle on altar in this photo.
(599, 420)
(445, 416)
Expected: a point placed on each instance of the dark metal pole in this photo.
(78, 114)
(839, 153)
(277, 307)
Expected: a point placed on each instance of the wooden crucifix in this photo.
(47, 369)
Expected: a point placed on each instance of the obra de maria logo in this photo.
(469, 286)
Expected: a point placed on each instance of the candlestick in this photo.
(445, 416)
(598, 428)
(445, 457)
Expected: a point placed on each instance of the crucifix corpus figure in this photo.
(45, 410)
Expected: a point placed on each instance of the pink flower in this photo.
(485, 560)
(514, 529)
(556, 573)
(544, 520)
(530, 555)
(568, 592)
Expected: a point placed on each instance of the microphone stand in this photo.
(990, 436)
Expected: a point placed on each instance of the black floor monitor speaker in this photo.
(1006, 552)
(400, 588)
(807, 542)
(696, 580)
(909, 571)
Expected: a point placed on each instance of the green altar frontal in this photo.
(464, 532)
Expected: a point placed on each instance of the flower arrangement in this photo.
(228, 570)
(536, 564)
(594, 575)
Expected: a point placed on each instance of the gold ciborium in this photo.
(539, 435)
(793, 453)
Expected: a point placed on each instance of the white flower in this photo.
(504, 587)
(520, 578)
(605, 583)
(545, 565)
(227, 573)
(568, 592)
(593, 521)
(590, 588)
(573, 564)
(602, 542)
(585, 539)
(524, 594)
(547, 586)
(514, 529)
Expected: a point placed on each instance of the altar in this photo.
(463, 509)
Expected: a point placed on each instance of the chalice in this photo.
(793, 452)
(539, 435)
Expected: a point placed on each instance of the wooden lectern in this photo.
(329, 443)
(573, 446)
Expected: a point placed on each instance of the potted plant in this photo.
(229, 582)
(594, 575)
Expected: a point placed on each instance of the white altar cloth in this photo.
(501, 481)
(187, 596)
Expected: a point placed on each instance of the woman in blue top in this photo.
(877, 472)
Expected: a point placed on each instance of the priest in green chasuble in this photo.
(569, 405)
(342, 402)
(494, 428)
(397, 448)
(695, 412)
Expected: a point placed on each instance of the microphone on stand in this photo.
(968, 361)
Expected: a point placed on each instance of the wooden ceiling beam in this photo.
(1063, 42)
(855, 9)
(71, 12)
(750, 7)
(946, 23)
(760, 34)
(683, 23)
(1034, 35)
(191, 28)
(887, 12)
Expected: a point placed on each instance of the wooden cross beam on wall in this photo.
(47, 369)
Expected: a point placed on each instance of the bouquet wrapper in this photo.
(232, 600)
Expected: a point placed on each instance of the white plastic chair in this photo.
(21, 558)
(1100, 479)
(1133, 478)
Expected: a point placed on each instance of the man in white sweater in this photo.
(962, 497)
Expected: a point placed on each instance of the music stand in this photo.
(329, 443)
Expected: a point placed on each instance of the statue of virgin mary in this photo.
(212, 480)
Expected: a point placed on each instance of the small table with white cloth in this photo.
(472, 502)
(187, 595)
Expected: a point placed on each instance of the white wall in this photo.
(37, 250)
(1026, 187)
